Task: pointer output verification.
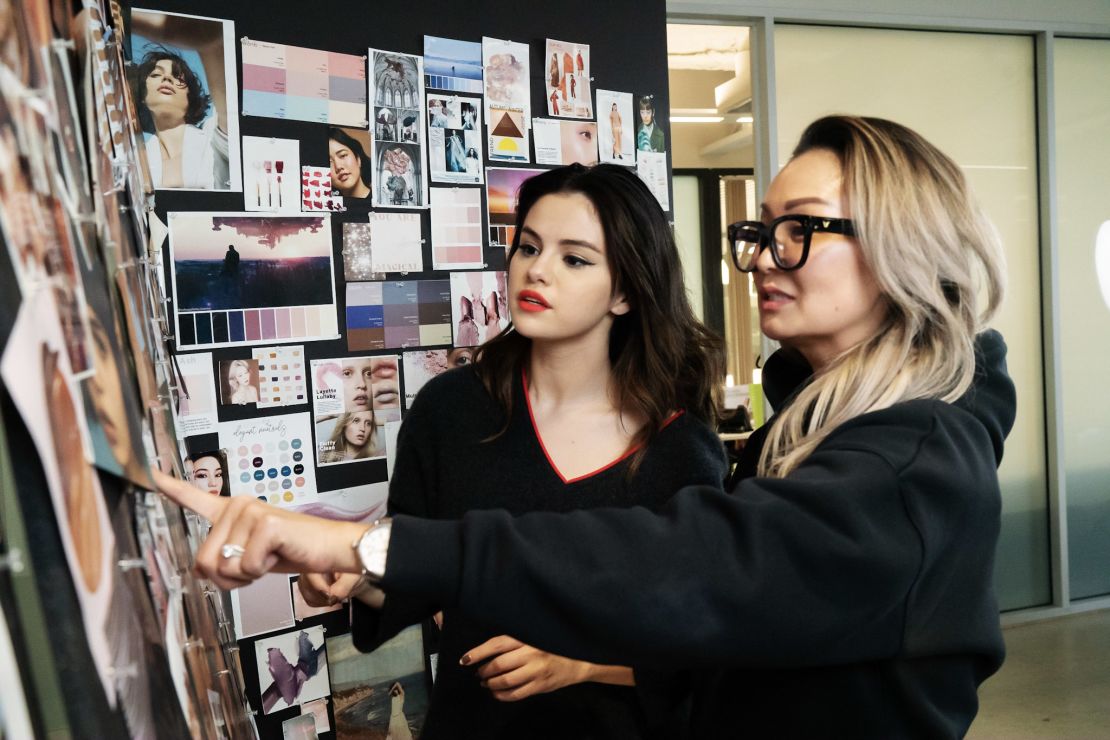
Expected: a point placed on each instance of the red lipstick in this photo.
(530, 300)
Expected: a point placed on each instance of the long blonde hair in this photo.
(933, 253)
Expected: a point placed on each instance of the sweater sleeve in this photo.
(809, 569)
(411, 491)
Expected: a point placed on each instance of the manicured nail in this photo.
(465, 660)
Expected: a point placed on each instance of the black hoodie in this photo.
(852, 598)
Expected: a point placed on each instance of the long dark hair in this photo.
(355, 146)
(198, 100)
(662, 357)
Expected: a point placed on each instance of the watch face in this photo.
(372, 549)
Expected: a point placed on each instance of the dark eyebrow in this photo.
(562, 242)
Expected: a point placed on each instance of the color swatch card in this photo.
(397, 245)
(456, 228)
(241, 279)
(271, 458)
(408, 313)
(281, 376)
(293, 82)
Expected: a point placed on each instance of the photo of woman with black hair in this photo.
(350, 165)
(649, 135)
(208, 472)
(185, 103)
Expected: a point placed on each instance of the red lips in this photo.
(530, 300)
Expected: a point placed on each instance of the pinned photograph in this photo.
(358, 257)
(270, 171)
(352, 398)
(457, 228)
(564, 142)
(348, 158)
(502, 186)
(299, 728)
(615, 128)
(649, 132)
(452, 65)
(398, 149)
(422, 366)
(292, 669)
(455, 139)
(208, 471)
(567, 74)
(184, 86)
(238, 382)
(295, 83)
(382, 694)
(479, 305)
(243, 279)
(508, 105)
(113, 410)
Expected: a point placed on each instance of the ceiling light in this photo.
(745, 119)
(697, 119)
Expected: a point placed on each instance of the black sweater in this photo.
(852, 598)
(444, 470)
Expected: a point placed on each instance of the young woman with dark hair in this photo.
(350, 165)
(602, 392)
(186, 143)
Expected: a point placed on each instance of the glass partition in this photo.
(973, 96)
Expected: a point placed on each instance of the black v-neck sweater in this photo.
(446, 466)
(852, 598)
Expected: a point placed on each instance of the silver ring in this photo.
(232, 551)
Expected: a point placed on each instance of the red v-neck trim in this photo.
(539, 438)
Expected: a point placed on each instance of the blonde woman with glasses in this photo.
(842, 587)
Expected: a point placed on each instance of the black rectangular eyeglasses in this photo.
(790, 235)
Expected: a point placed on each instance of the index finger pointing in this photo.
(191, 497)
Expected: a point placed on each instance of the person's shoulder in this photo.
(457, 385)
(685, 439)
(912, 431)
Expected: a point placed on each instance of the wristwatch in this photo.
(372, 548)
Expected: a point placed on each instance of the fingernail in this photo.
(465, 660)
